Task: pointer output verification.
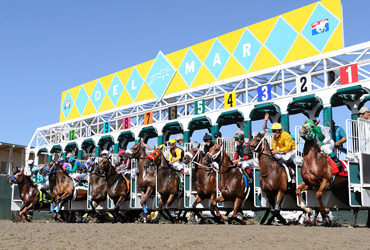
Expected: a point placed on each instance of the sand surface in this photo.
(44, 235)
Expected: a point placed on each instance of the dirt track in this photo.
(138, 236)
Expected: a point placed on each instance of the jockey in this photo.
(240, 158)
(123, 166)
(208, 143)
(41, 181)
(77, 175)
(28, 167)
(283, 148)
(176, 156)
(326, 143)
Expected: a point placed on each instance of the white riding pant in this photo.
(288, 156)
(328, 147)
(27, 170)
(246, 164)
(178, 166)
(78, 175)
(124, 171)
(44, 184)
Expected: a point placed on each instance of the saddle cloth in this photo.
(334, 167)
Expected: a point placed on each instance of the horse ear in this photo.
(317, 123)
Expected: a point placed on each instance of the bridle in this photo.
(195, 158)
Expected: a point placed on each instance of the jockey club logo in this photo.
(67, 105)
(320, 27)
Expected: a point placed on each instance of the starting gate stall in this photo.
(358, 153)
(309, 196)
(232, 79)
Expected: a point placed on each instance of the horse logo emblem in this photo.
(320, 27)
(67, 105)
(162, 74)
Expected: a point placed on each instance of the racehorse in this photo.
(98, 185)
(317, 173)
(28, 192)
(231, 185)
(147, 173)
(61, 187)
(273, 177)
(205, 183)
(117, 185)
(168, 183)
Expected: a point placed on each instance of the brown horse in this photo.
(99, 187)
(273, 177)
(61, 187)
(231, 184)
(117, 185)
(205, 183)
(28, 192)
(168, 184)
(147, 173)
(316, 171)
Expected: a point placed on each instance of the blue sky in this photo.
(50, 46)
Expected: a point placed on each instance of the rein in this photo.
(269, 172)
(194, 157)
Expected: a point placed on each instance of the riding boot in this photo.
(338, 162)
(244, 172)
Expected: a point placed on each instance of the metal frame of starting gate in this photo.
(358, 153)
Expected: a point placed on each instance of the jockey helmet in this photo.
(104, 152)
(179, 138)
(34, 169)
(71, 159)
(121, 152)
(162, 146)
(309, 123)
(239, 136)
(172, 141)
(207, 137)
(276, 126)
(69, 155)
(30, 162)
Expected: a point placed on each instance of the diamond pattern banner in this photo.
(82, 100)
(115, 90)
(97, 95)
(301, 33)
(217, 59)
(160, 75)
(190, 67)
(281, 39)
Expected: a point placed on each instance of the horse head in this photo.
(254, 146)
(14, 176)
(214, 154)
(192, 155)
(47, 168)
(105, 166)
(134, 151)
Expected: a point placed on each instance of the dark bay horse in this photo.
(147, 173)
(28, 192)
(168, 184)
(61, 187)
(231, 183)
(205, 182)
(273, 177)
(117, 185)
(99, 187)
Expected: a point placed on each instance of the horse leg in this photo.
(215, 207)
(238, 201)
(24, 211)
(144, 197)
(301, 187)
(168, 203)
(279, 199)
(368, 218)
(194, 209)
(20, 213)
(323, 185)
(265, 216)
